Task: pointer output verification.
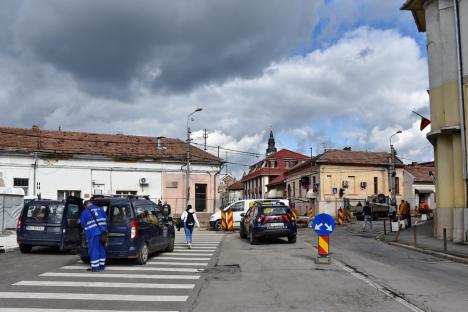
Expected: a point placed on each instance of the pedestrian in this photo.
(166, 209)
(94, 222)
(404, 210)
(160, 205)
(367, 212)
(190, 220)
(408, 216)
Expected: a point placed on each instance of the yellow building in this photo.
(446, 25)
(356, 174)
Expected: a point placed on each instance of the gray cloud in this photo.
(171, 45)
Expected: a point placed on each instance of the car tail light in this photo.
(134, 230)
(20, 223)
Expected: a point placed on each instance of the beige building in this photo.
(446, 25)
(338, 174)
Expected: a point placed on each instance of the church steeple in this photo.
(271, 144)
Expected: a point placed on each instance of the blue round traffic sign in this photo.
(323, 224)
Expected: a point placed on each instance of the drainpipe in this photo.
(461, 95)
(34, 172)
(215, 192)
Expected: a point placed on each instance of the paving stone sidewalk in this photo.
(8, 241)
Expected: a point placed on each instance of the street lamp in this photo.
(392, 171)
(187, 175)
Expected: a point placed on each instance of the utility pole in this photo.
(187, 174)
(205, 136)
(226, 164)
(392, 172)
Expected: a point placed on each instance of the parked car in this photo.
(136, 227)
(268, 220)
(239, 207)
(49, 223)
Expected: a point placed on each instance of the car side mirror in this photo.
(242, 214)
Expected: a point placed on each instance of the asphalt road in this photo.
(366, 275)
(48, 280)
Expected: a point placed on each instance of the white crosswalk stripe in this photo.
(164, 283)
(103, 284)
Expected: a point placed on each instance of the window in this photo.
(61, 195)
(73, 211)
(376, 185)
(300, 190)
(397, 185)
(329, 185)
(120, 214)
(239, 206)
(126, 192)
(41, 213)
(351, 185)
(294, 189)
(21, 183)
(272, 163)
(146, 213)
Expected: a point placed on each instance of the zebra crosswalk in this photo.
(164, 284)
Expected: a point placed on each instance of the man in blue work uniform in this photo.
(94, 221)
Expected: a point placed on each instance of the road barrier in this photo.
(311, 213)
(294, 213)
(340, 216)
(223, 220)
(348, 215)
(230, 220)
(323, 245)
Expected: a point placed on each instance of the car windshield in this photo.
(45, 213)
(275, 211)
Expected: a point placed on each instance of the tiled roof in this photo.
(355, 157)
(236, 186)
(111, 145)
(278, 180)
(421, 173)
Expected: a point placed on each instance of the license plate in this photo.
(35, 228)
(276, 225)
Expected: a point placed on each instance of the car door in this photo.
(244, 221)
(237, 208)
(119, 218)
(71, 237)
(156, 219)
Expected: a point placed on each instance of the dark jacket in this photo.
(366, 210)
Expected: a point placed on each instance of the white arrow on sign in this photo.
(329, 228)
(318, 226)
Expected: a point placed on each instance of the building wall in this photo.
(444, 104)
(90, 175)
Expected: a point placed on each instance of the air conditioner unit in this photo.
(363, 184)
(345, 184)
(144, 181)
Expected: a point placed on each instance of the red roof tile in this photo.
(111, 145)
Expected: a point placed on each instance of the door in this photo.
(119, 215)
(200, 197)
(43, 222)
(237, 208)
(71, 228)
(146, 227)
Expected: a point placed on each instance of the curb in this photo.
(8, 249)
(431, 252)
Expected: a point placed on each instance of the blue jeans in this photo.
(188, 232)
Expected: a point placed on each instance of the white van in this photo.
(238, 207)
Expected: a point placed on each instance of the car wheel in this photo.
(292, 239)
(242, 231)
(143, 254)
(218, 225)
(25, 248)
(170, 245)
(85, 260)
(252, 239)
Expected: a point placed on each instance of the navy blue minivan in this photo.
(268, 220)
(137, 228)
(49, 223)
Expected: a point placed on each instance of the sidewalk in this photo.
(8, 241)
(425, 240)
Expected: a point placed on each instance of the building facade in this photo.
(56, 164)
(322, 184)
(446, 25)
(419, 185)
(274, 165)
(232, 193)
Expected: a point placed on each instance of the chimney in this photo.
(159, 143)
(35, 128)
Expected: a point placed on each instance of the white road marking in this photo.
(182, 258)
(99, 297)
(134, 268)
(186, 254)
(113, 275)
(198, 248)
(64, 310)
(103, 284)
(177, 263)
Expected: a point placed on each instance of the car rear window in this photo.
(274, 211)
(120, 213)
(45, 213)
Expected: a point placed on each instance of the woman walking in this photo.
(190, 220)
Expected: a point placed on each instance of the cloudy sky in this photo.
(320, 73)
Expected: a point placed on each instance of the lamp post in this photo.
(392, 171)
(187, 174)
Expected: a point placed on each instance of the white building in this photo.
(419, 185)
(56, 164)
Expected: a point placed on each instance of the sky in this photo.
(319, 73)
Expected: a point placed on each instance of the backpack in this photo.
(190, 219)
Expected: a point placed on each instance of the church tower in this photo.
(271, 144)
